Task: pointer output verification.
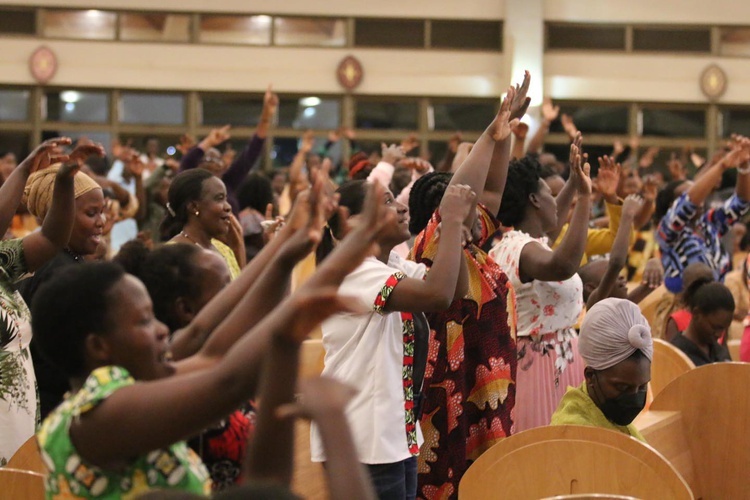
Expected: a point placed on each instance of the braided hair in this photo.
(523, 180)
(425, 197)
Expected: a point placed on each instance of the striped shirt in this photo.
(684, 239)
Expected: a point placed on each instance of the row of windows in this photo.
(258, 29)
(295, 112)
(731, 41)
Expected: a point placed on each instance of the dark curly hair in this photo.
(73, 304)
(255, 192)
(168, 272)
(352, 196)
(186, 187)
(425, 197)
(523, 180)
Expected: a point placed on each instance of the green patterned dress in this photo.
(71, 476)
(19, 408)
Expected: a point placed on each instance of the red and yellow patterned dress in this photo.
(469, 387)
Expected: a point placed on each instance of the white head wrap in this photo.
(612, 331)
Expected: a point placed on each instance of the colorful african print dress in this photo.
(19, 404)
(469, 388)
(71, 476)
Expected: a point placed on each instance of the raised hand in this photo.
(333, 136)
(308, 141)
(454, 141)
(608, 177)
(676, 168)
(520, 103)
(549, 112)
(653, 273)
(270, 102)
(579, 174)
(520, 131)
(409, 143)
(420, 165)
(650, 188)
(135, 165)
(73, 162)
(227, 157)
(631, 206)
(217, 136)
(458, 202)
(44, 154)
(502, 125)
(393, 153)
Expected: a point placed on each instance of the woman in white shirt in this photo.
(383, 352)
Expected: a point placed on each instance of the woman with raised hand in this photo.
(383, 352)
(199, 214)
(121, 432)
(19, 405)
(470, 383)
(549, 293)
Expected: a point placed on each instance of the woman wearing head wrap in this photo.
(615, 343)
(18, 398)
(88, 226)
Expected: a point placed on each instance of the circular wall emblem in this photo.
(713, 82)
(43, 64)
(350, 73)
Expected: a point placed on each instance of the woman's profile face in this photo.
(629, 376)
(214, 211)
(136, 341)
(709, 327)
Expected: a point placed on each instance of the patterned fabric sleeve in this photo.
(679, 215)
(730, 212)
(101, 384)
(490, 225)
(13, 260)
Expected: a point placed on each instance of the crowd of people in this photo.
(154, 307)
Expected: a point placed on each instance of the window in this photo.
(162, 109)
(17, 22)
(253, 30)
(309, 112)
(735, 121)
(673, 122)
(387, 114)
(237, 111)
(735, 42)
(89, 24)
(76, 106)
(101, 136)
(309, 32)
(155, 27)
(16, 143)
(481, 35)
(14, 105)
(585, 37)
(672, 39)
(595, 118)
(460, 116)
(402, 33)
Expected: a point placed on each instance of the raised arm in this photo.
(565, 197)
(41, 246)
(549, 114)
(194, 155)
(619, 255)
(11, 190)
(705, 184)
(538, 263)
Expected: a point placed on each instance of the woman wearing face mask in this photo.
(615, 343)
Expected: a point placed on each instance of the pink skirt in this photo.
(547, 366)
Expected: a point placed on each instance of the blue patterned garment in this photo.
(683, 239)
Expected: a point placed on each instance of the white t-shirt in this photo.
(368, 352)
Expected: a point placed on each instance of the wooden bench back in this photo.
(18, 484)
(714, 406)
(28, 457)
(668, 363)
(563, 460)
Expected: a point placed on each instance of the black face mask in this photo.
(623, 409)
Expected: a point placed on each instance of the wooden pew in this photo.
(698, 422)
(563, 460)
(28, 458)
(20, 484)
(668, 363)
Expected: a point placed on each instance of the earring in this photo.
(197, 213)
